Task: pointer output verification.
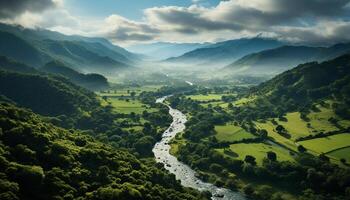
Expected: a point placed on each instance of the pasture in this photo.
(231, 133)
(327, 144)
(259, 151)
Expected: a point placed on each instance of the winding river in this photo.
(183, 172)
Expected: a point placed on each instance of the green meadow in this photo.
(259, 151)
(208, 97)
(231, 133)
(327, 144)
(128, 106)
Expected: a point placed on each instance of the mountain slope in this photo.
(21, 50)
(11, 65)
(88, 81)
(274, 61)
(37, 47)
(300, 88)
(226, 52)
(46, 95)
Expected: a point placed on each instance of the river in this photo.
(182, 171)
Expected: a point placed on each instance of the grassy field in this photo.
(319, 120)
(259, 151)
(231, 133)
(269, 127)
(126, 91)
(124, 106)
(208, 97)
(295, 125)
(341, 153)
(327, 144)
(243, 101)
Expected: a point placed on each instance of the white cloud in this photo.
(312, 21)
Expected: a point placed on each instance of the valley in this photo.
(186, 100)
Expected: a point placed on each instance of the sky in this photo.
(127, 22)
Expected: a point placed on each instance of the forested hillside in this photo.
(88, 81)
(298, 89)
(41, 161)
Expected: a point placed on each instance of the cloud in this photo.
(311, 21)
(12, 8)
(122, 29)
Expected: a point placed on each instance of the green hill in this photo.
(301, 87)
(46, 95)
(11, 65)
(89, 81)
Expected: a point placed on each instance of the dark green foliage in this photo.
(41, 161)
(11, 65)
(89, 81)
(46, 95)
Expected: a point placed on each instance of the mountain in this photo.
(37, 47)
(277, 60)
(226, 52)
(88, 81)
(164, 50)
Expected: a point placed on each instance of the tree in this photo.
(250, 159)
(301, 149)
(272, 156)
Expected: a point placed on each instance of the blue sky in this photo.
(131, 9)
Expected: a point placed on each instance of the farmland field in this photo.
(341, 153)
(259, 150)
(124, 106)
(208, 97)
(231, 133)
(326, 144)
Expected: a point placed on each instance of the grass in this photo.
(126, 91)
(231, 133)
(208, 97)
(319, 120)
(341, 153)
(244, 101)
(327, 144)
(127, 107)
(175, 143)
(295, 125)
(259, 151)
(269, 127)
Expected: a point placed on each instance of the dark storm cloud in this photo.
(13, 8)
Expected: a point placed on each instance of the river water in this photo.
(182, 171)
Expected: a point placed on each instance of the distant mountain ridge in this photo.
(37, 47)
(277, 60)
(226, 52)
(164, 50)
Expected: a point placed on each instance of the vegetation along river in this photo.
(183, 172)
